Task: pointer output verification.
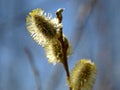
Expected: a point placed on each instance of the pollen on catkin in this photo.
(83, 75)
(54, 52)
(41, 26)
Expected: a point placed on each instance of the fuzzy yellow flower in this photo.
(45, 30)
(42, 27)
(54, 52)
(83, 75)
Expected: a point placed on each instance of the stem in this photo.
(65, 61)
(64, 47)
(65, 64)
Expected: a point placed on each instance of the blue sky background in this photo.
(93, 32)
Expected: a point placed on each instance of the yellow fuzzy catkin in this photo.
(54, 52)
(45, 31)
(42, 27)
(83, 75)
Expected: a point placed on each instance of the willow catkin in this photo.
(54, 52)
(45, 31)
(42, 27)
(83, 75)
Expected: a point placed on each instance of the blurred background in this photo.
(91, 26)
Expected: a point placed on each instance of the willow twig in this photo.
(64, 47)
